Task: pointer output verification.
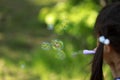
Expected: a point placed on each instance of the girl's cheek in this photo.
(106, 58)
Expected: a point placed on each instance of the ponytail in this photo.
(97, 73)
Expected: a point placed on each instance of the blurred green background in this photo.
(26, 26)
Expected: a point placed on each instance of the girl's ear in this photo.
(107, 48)
(107, 54)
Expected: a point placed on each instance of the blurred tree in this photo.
(106, 2)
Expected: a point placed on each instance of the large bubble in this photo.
(57, 44)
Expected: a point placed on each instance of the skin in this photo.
(112, 58)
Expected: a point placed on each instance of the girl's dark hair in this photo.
(107, 25)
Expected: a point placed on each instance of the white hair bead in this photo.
(103, 40)
(107, 42)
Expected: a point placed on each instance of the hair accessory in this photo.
(104, 41)
(88, 51)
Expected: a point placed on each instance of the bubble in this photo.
(50, 27)
(46, 46)
(22, 66)
(64, 25)
(74, 54)
(60, 55)
(57, 44)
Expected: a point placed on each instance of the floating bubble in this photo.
(50, 27)
(57, 44)
(22, 66)
(74, 54)
(45, 46)
(64, 25)
(60, 55)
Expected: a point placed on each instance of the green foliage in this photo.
(73, 21)
(74, 26)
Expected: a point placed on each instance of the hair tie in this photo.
(103, 40)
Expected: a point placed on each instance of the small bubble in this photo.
(57, 44)
(74, 54)
(60, 55)
(64, 25)
(50, 27)
(22, 66)
(45, 46)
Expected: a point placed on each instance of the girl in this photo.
(107, 28)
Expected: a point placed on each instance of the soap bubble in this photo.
(22, 66)
(57, 44)
(74, 54)
(64, 25)
(60, 55)
(46, 46)
(50, 27)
